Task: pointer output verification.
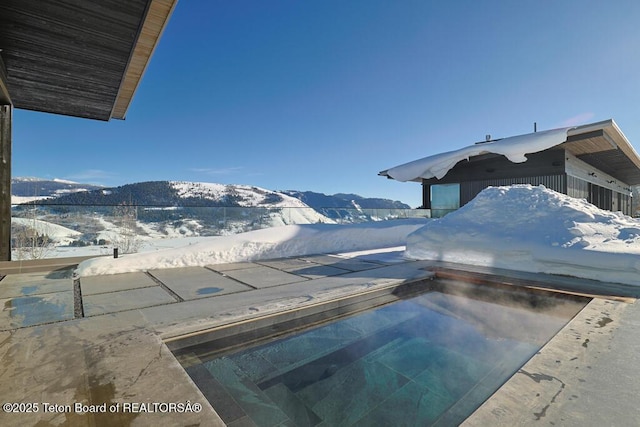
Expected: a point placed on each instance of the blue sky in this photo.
(322, 95)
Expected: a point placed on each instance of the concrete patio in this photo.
(103, 339)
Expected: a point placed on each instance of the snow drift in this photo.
(537, 230)
(276, 242)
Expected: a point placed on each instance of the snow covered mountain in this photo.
(291, 210)
(202, 194)
(25, 189)
(346, 207)
(161, 209)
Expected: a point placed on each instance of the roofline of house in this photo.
(616, 137)
(611, 132)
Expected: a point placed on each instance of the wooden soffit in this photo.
(604, 146)
(80, 58)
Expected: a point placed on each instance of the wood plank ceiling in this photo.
(608, 150)
(71, 57)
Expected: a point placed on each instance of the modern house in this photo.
(595, 162)
(78, 58)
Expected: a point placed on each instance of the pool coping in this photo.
(576, 379)
(297, 318)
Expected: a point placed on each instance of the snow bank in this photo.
(514, 148)
(277, 242)
(534, 229)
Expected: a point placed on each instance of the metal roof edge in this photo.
(589, 127)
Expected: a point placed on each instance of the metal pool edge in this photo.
(246, 331)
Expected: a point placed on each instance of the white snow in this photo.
(246, 195)
(64, 181)
(57, 233)
(534, 229)
(521, 227)
(63, 191)
(514, 148)
(17, 200)
(292, 210)
(276, 242)
(195, 189)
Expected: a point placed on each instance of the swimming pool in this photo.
(425, 359)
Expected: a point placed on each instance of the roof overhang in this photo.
(5, 98)
(604, 146)
(79, 58)
(601, 144)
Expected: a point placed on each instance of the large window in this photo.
(444, 199)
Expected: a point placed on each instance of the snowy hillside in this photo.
(161, 210)
(344, 200)
(27, 189)
(293, 210)
(57, 233)
(242, 195)
(134, 215)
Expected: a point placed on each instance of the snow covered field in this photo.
(520, 228)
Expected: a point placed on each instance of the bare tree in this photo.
(31, 239)
(126, 239)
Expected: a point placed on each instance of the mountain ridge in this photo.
(38, 187)
(189, 193)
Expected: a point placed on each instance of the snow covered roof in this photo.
(600, 144)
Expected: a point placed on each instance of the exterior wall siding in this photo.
(496, 167)
(557, 170)
(604, 198)
(470, 189)
(577, 187)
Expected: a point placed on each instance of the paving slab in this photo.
(305, 268)
(46, 286)
(382, 256)
(16, 285)
(112, 359)
(32, 310)
(287, 263)
(31, 278)
(264, 277)
(232, 266)
(125, 300)
(91, 285)
(197, 282)
(315, 271)
(351, 264)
